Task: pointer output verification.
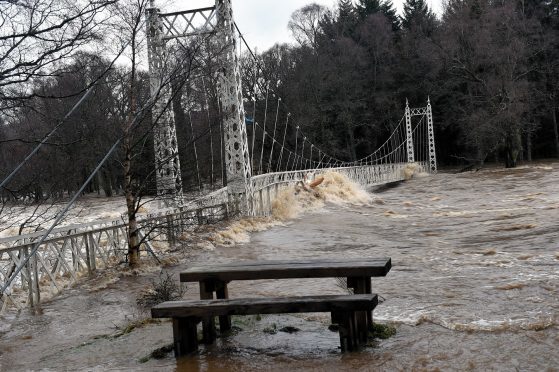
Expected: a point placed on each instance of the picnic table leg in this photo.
(223, 293)
(359, 286)
(346, 322)
(185, 336)
(208, 324)
(369, 313)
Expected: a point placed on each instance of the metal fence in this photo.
(71, 251)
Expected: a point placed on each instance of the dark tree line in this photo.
(490, 68)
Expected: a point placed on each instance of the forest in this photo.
(490, 69)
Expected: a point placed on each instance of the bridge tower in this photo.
(217, 22)
(167, 164)
(237, 158)
(431, 138)
(409, 134)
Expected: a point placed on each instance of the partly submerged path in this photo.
(475, 285)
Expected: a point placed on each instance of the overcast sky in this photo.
(264, 22)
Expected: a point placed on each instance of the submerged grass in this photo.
(159, 353)
(382, 331)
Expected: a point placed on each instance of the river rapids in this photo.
(474, 285)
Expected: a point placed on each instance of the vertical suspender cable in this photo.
(211, 134)
(283, 143)
(253, 132)
(274, 136)
(264, 129)
(296, 144)
(195, 152)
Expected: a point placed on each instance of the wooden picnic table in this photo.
(215, 278)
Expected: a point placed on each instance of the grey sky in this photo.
(264, 22)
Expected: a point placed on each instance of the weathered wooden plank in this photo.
(222, 292)
(288, 270)
(252, 306)
(185, 336)
(206, 293)
(301, 261)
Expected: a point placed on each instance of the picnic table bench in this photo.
(187, 314)
(214, 279)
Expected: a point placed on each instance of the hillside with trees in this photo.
(490, 69)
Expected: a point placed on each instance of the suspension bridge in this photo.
(257, 161)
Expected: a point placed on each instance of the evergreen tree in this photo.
(418, 15)
(365, 8)
(346, 21)
(389, 11)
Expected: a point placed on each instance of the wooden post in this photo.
(346, 329)
(200, 217)
(35, 269)
(362, 285)
(369, 313)
(269, 206)
(223, 293)
(170, 231)
(27, 269)
(261, 202)
(185, 336)
(87, 254)
(208, 324)
(92, 254)
(225, 211)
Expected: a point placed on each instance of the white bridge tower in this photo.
(216, 21)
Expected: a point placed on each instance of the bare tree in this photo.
(38, 36)
(305, 24)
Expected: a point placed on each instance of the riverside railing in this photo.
(72, 251)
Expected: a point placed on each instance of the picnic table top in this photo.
(289, 269)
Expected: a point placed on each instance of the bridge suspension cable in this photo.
(323, 158)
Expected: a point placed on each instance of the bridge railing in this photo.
(74, 250)
(268, 186)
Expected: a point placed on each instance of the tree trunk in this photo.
(513, 147)
(131, 200)
(133, 238)
(351, 143)
(529, 147)
(555, 130)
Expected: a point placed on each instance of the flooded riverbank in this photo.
(474, 285)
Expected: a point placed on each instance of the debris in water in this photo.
(289, 329)
(516, 227)
(508, 287)
(271, 330)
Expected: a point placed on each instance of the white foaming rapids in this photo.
(416, 318)
(292, 202)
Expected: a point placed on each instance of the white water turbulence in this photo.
(292, 201)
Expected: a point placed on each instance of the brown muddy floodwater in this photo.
(474, 286)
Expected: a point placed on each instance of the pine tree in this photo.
(346, 17)
(365, 8)
(418, 14)
(389, 11)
